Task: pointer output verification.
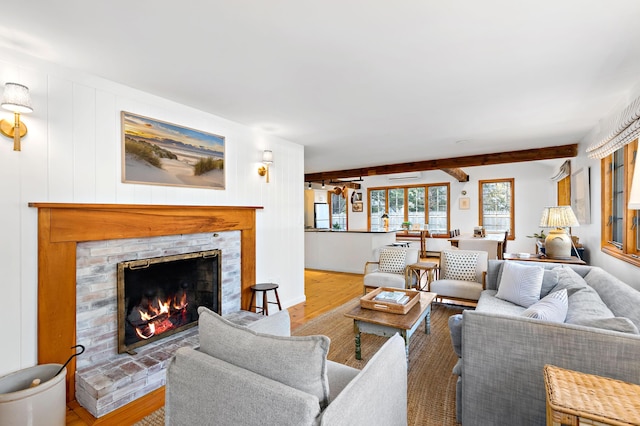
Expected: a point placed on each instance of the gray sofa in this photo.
(503, 353)
(257, 374)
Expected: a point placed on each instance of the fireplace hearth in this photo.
(160, 296)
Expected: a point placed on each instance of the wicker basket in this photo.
(574, 394)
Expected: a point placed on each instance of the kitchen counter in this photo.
(343, 251)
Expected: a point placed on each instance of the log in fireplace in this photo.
(160, 296)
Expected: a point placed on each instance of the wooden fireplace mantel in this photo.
(61, 226)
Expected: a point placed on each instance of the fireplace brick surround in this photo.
(106, 380)
(62, 226)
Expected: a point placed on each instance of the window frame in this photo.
(406, 188)
(628, 251)
(330, 195)
(512, 210)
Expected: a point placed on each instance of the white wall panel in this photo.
(84, 144)
(73, 154)
(107, 145)
(60, 139)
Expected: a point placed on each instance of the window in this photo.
(496, 205)
(338, 212)
(438, 209)
(620, 226)
(424, 204)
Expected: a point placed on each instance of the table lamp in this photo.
(558, 243)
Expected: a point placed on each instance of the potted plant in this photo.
(406, 225)
(540, 237)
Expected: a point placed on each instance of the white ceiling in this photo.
(359, 82)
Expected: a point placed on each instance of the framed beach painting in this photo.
(155, 152)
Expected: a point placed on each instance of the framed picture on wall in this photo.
(155, 152)
(357, 206)
(580, 195)
(464, 203)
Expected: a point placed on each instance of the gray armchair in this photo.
(391, 268)
(239, 376)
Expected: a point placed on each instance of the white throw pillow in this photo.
(520, 284)
(460, 265)
(392, 260)
(552, 307)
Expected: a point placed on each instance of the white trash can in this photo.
(44, 404)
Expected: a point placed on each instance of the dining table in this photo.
(494, 237)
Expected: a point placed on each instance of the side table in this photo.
(420, 270)
(575, 398)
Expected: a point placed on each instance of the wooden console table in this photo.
(575, 398)
(541, 258)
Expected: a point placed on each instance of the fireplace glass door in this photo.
(160, 296)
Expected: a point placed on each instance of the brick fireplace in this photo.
(61, 227)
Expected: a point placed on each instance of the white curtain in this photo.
(563, 172)
(616, 132)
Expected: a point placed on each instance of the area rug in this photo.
(431, 386)
(431, 395)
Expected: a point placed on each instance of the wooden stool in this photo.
(264, 288)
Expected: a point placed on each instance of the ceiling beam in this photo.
(459, 174)
(549, 153)
(347, 184)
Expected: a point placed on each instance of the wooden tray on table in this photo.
(368, 301)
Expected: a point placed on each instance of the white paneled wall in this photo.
(72, 154)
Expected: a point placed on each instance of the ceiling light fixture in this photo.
(16, 99)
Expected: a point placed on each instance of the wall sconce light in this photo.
(267, 159)
(17, 100)
(322, 184)
(309, 185)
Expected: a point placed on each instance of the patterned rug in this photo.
(431, 386)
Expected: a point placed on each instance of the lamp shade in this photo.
(634, 194)
(267, 156)
(558, 217)
(16, 98)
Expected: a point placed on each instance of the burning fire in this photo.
(160, 315)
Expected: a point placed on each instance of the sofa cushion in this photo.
(552, 307)
(569, 280)
(455, 331)
(622, 324)
(584, 302)
(520, 284)
(549, 282)
(384, 279)
(392, 260)
(621, 298)
(460, 265)
(488, 302)
(299, 362)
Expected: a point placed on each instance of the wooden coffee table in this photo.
(386, 324)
